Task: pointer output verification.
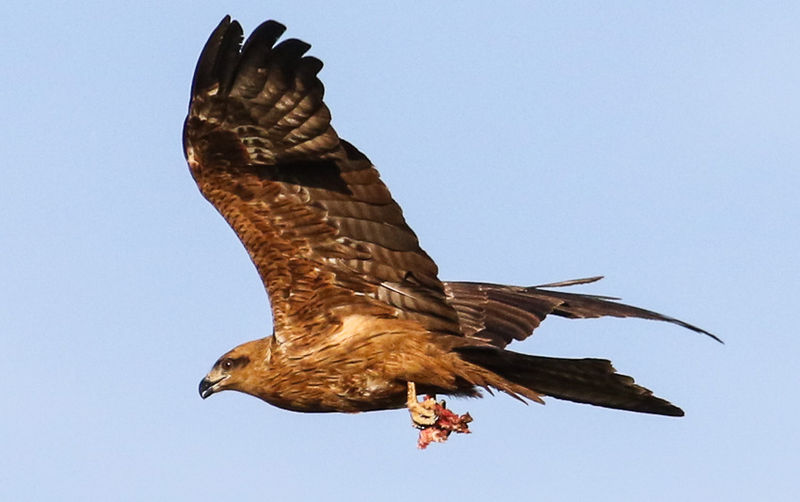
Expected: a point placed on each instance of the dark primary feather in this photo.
(501, 314)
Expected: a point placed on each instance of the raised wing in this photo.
(501, 314)
(323, 231)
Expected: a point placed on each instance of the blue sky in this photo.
(527, 142)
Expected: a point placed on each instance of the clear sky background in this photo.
(528, 142)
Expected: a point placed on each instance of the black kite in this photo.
(361, 320)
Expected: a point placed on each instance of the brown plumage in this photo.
(359, 311)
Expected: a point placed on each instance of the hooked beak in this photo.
(208, 387)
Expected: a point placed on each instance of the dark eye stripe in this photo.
(235, 362)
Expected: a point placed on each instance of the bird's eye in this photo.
(227, 364)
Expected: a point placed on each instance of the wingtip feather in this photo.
(207, 71)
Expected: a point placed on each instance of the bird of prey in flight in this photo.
(361, 319)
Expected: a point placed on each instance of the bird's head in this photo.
(235, 369)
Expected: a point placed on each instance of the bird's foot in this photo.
(434, 420)
(423, 414)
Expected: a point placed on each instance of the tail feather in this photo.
(591, 381)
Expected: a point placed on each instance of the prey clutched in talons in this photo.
(434, 420)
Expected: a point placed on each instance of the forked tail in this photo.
(592, 381)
